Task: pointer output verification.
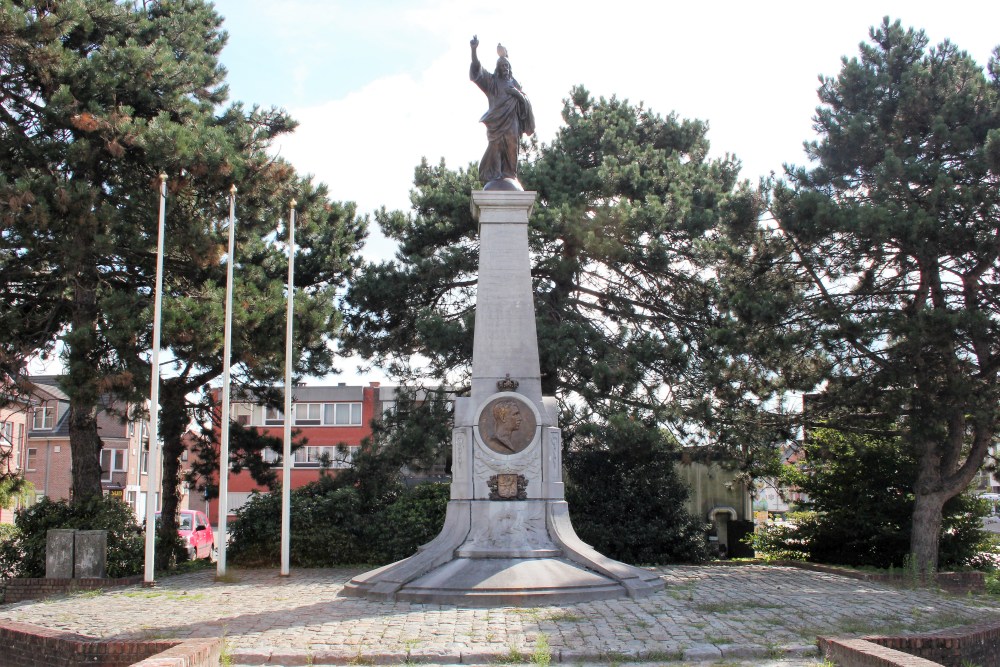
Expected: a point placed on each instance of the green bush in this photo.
(336, 524)
(415, 518)
(626, 499)
(10, 554)
(861, 502)
(125, 537)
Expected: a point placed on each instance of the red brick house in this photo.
(46, 460)
(14, 412)
(325, 416)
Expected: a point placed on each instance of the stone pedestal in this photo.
(507, 537)
(59, 553)
(90, 554)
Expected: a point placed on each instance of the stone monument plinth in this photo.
(507, 538)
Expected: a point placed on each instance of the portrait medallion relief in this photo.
(507, 425)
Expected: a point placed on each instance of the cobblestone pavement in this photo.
(707, 614)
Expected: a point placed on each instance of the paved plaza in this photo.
(750, 614)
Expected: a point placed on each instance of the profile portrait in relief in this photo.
(506, 425)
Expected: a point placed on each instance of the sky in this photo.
(378, 85)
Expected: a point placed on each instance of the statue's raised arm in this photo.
(508, 117)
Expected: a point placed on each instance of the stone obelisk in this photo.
(507, 537)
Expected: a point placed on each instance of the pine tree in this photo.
(895, 235)
(628, 213)
(100, 97)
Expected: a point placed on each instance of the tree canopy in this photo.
(99, 98)
(894, 235)
(632, 217)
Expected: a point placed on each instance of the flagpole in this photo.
(220, 566)
(153, 462)
(286, 482)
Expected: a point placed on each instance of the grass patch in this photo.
(512, 656)
(542, 655)
(564, 616)
(88, 594)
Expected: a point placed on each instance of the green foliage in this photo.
(332, 524)
(415, 518)
(993, 582)
(100, 98)
(772, 542)
(625, 237)
(890, 237)
(14, 487)
(125, 537)
(10, 555)
(625, 497)
(861, 502)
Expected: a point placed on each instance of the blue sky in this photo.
(377, 85)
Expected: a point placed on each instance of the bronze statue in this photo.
(509, 117)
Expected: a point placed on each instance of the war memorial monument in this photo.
(507, 537)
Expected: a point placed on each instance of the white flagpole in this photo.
(153, 462)
(286, 481)
(220, 566)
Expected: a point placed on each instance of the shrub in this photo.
(626, 499)
(10, 554)
(773, 542)
(336, 524)
(859, 490)
(414, 519)
(125, 538)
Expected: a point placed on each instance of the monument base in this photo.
(454, 569)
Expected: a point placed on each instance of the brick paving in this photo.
(761, 614)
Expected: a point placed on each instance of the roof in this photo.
(111, 422)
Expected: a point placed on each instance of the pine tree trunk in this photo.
(85, 450)
(84, 441)
(925, 536)
(173, 419)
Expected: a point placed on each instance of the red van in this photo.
(194, 529)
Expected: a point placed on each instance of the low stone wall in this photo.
(18, 590)
(27, 645)
(861, 653)
(953, 647)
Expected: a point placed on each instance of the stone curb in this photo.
(698, 653)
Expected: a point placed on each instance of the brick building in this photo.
(325, 416)
(14, 414)
(46, 459)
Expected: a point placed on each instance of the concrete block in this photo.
(59, 553)
(90, 554)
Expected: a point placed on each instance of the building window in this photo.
(241, 413)
(29, 459)
(44, 417)
(315, 457)
(342, 414)
(270, 456)
(144, 462)
(273, 417)
(308, 414)
(6, 434)
(112, 461)
(131, 429)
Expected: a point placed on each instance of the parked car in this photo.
(196, 532)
